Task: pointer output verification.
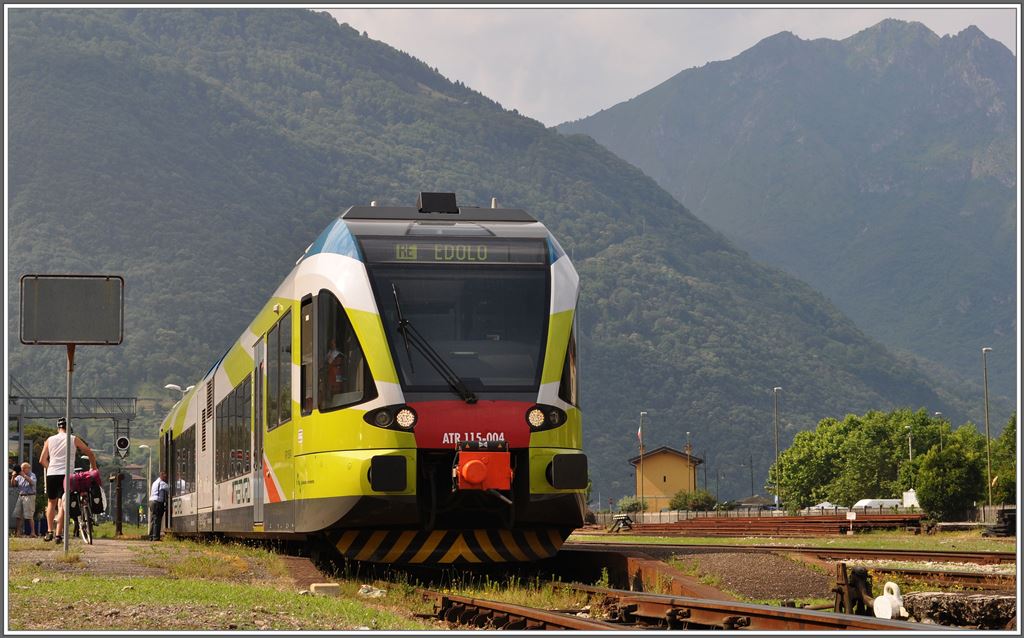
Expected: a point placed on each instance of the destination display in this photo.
(462, 250)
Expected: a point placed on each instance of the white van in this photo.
(878, 502)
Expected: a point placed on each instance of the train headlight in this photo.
(555, 417)
(383, 419)
(405, 418)
(535, 417)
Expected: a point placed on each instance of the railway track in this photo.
(965, 579)
(825, 553)
(637, 610)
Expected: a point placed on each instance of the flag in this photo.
(640, 434)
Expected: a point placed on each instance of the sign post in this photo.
(71, 310)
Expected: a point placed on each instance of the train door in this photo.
(168, 466)
(259, 357)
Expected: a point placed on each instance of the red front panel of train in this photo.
(445, 424)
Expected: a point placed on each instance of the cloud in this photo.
(562, 64)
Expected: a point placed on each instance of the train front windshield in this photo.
(480, 305)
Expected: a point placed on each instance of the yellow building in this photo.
(665, 471)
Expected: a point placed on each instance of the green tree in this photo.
(631, 504)
(859, 457)
(950, 480)
(1004, 464)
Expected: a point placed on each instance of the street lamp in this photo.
(149, 469)
(988, 439)
(910, 442)
(775, 412)
(640, 434)
(175, 386)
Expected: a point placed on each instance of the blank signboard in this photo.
(78, 309)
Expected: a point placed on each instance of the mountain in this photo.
(880, 169)
(198, 152)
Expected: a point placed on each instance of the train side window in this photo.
(184, 452)
(285, 361)
(273, 378)
(568, 389)
(343, 378)
(306, 355)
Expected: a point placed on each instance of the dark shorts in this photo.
(55, 486)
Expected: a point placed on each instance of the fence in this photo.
(671, 516)
(984, 514)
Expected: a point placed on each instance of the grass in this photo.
(970, 541)
(209, 586)
(195, 604)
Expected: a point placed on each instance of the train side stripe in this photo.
(485, 545)
(399, 546)
(428, 546)
(371, 544)
(510, 542)
(346, 540)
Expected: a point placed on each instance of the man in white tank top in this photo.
(54, 459)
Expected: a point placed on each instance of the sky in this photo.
(556, 65)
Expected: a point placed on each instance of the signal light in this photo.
(122, 443)
(535, 418)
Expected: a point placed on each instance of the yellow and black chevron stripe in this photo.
(419, 547)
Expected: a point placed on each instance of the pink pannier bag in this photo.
(83, 481)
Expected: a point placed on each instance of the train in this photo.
(408, 394)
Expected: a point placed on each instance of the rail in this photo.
(679, 612)
(826, 553)
(490, 614)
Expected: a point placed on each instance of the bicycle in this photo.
(85, 486)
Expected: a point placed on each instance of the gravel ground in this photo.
(762, 576)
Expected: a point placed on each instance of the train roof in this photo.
(462, 214)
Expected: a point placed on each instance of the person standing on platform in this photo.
(25, 508)
(157, 505)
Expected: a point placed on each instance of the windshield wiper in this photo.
(411, 336)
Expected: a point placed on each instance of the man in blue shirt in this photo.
(157, 505)
(25, 508)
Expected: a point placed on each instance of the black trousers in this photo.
(156, 518)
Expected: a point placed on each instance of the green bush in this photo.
(631, 504)
(700, 500)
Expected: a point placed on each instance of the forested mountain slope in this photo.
(200, 152)
(880, 169)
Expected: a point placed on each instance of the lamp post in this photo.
(988, 439)
(910, 443)
(775, 412)
(175, 386)
(640, 433)
(693, 468)
(149, 469)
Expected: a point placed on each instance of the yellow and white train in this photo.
(408, 394)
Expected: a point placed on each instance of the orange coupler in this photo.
(482, 466)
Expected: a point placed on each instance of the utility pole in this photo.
(988, 438)
(640, 433)
(775, 412)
